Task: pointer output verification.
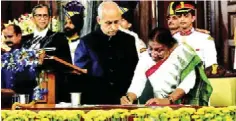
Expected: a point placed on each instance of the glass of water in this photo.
(21, 98)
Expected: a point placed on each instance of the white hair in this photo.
(101, 7)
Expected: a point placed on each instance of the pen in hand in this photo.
(128, 99)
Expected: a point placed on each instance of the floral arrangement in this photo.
(24, 59)
(141, 114)
(39, 90)
(20, 59)
(27, 25)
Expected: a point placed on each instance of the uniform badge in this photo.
(142, 50)
(202, 31)
(210, 38)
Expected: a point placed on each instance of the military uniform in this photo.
(202, 43)
(140, 45)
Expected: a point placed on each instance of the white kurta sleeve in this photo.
(188, 82)
(139, 79)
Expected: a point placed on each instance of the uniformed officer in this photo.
(201, 42)
(125, 26)
(172, 20)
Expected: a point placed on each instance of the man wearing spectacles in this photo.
(41, 19)
(110, 57)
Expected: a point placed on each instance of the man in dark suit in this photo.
(110, 57)
(41, 18)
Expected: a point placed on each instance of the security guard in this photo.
(201, 42)
(125, 26)
(172, 19)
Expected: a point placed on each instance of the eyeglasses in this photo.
(45, 16)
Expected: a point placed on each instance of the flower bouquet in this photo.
(20, 59)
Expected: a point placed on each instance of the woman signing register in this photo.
(174, 70)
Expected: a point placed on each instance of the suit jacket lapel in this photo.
(49, 33)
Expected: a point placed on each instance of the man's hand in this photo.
(124, 100)
(164, 101)
(128, 99)
(75, 72)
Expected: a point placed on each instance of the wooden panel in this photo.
(51, 88)
(49, 84)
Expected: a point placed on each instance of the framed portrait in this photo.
(231, 24)
(231, 2)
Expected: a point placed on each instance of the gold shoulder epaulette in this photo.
(210, 38)
(142, 50)
(202, 31)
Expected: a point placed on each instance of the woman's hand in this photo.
(164, 101)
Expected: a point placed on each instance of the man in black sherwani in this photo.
(110, 57)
